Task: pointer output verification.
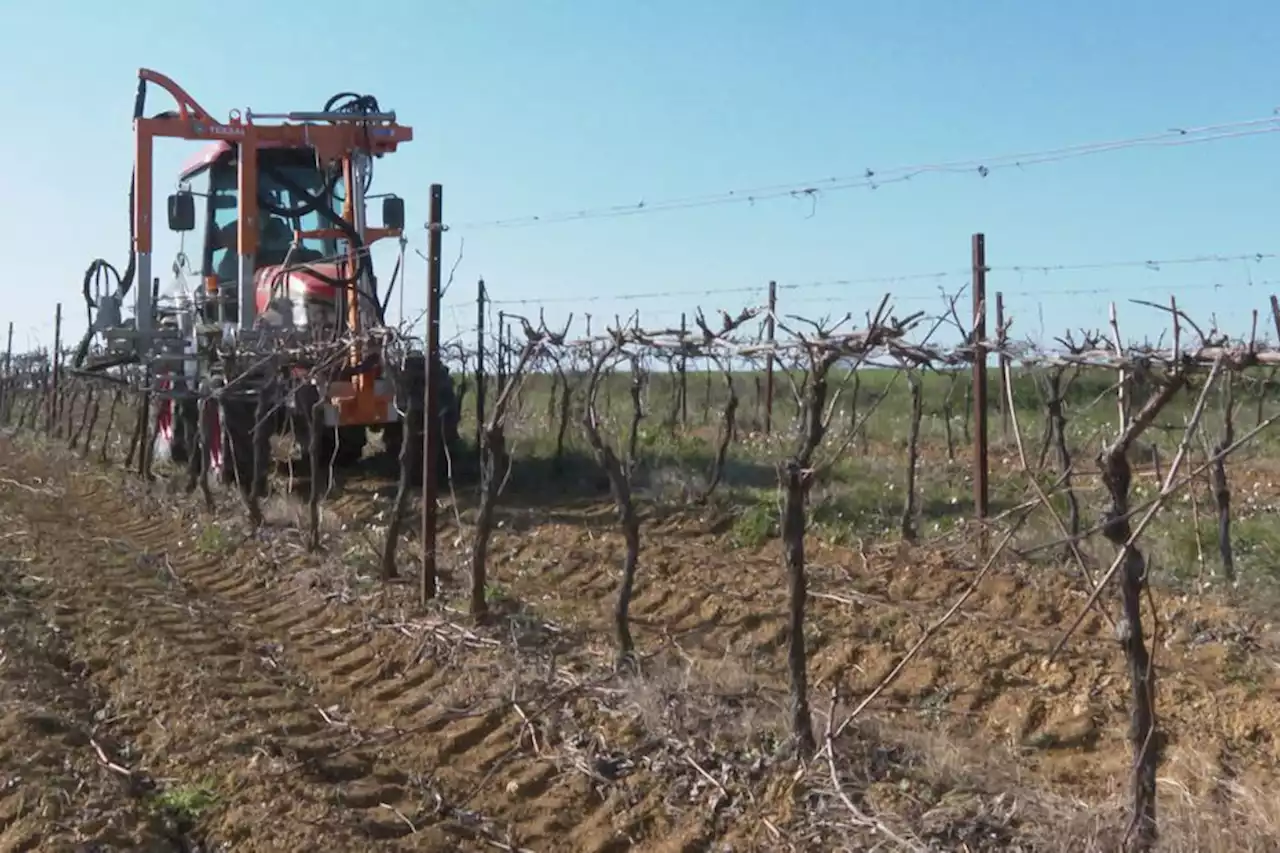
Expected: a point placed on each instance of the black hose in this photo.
(326, 211)
(319, 204)
(356, 104)
(363, 257)
(346, 102)
(95, 369)
(391, 288)
(311, 204)
(99, 266)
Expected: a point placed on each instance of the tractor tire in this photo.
(349, 449)
(410, 429)
(238, 417)
(186, 431)
(393, 439)
(341, 448)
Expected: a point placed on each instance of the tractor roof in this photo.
(212, 152)
(206, 155)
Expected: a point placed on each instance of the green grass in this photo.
(185, 804)
(213, 540)
(859, 493)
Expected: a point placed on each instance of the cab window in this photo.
(275, 231)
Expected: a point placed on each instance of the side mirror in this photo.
(393, 213)
(182, 212)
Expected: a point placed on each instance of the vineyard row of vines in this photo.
(110, 419)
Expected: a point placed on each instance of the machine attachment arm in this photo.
(322, 115)
(356, 125)
(188, 108)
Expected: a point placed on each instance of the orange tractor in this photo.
(283, 252)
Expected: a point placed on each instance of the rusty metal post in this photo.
(981, 495)
(682, 368)
(1002, 359)
(55, 371)
(431, 437)
(502, 361)
(770, 330)
(508, 346)
(481, 297)
(5, 390)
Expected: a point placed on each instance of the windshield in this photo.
(275, 230)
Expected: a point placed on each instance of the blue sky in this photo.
(540, 107)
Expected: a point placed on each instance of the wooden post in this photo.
(508, 346)
(682, 369)
(980, 487)
(6, 390)
(770, 330)
(431, 437)
(481, 297)
(55, 370)
(502, 355)
(1002, 359)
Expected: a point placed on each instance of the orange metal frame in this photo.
(333, 143)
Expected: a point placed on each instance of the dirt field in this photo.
(167, 687)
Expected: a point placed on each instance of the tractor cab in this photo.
(293, 195)
(277, 205)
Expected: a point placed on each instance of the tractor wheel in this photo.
(184, 431)
(341, 448)
(411, 428)
(393, 438)
(213, 448)
(238, 417)
(175, 420)
(350, 445)
(179, 449)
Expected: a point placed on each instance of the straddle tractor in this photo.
(278, 205)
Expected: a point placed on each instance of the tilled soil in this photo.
(194, 699)
(986, 674)
(254, 711)
(173, 685)
(58, 786)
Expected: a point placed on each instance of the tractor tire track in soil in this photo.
(365, 727)
(205, 707)
(982, 676)
(317, 727)
(981, 681)
(57, 791)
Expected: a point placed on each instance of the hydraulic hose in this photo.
(355, 104)
(318, 204)
(312, 203)
(99, 267)
(101, 270)
(391, 288)
(343, 102)
(362, 255)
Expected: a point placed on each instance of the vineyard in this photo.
(758, 583)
